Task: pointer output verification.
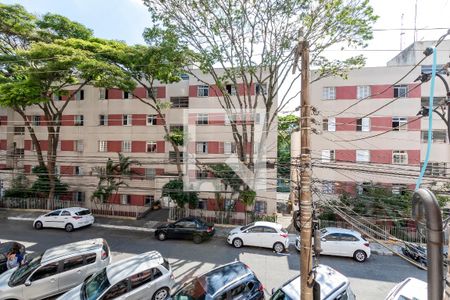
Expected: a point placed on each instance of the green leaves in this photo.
(174, 189)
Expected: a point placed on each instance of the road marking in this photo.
(21, 219)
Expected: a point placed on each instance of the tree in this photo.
(253, 43)
(42, 185)
(20, 187)
(39, 63)
(174, 190)
(286, 125)
(112, 177)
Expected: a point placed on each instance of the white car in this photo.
(67, 218)
(342, 242)
(144, 276)
(410, 288)
(260, 234)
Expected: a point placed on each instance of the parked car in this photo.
(231, 281)
(67, 218)
(5, 248)
(187, 228)
(419, 253)
(342, 242)
(410, 288)
(144, 276)
(55, 271)
(260, 234)
(329, 284)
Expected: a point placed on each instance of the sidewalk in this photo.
(145, 225)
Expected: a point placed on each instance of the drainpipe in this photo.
(425, 207)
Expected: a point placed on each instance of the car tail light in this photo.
(366, 244)
(285, 235)
(76, 217)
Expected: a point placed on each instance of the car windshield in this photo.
(94, 286)
(22, 273)
(247, 226)
(193, 290)
(323, 231)
(83, 212)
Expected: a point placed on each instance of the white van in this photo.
(55, 271)
(329, 285)
(410, 288)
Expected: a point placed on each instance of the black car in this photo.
(231, 281)
(187, 228)
(419, 253)
(4, 250)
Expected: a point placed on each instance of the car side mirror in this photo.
(27, 283)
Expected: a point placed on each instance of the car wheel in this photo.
(69, 227)
(278, 247)
(360, 256)
(161, 294)
(161, 236)
(237, 243)
(38, 225)
(197, 239)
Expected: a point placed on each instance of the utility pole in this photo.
(305, 205)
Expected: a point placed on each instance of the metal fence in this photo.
(101, 209)
(219, 217)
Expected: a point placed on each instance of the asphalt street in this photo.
(370, 280)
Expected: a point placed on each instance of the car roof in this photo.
(221, 277)
(341, 230)
(72, 249)
(133, 265)
(73, 209)
(330, 281)
(411, 288)
(268, 224)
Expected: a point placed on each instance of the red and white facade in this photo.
(98, 123)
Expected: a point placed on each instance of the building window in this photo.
(125, 199)
(151, 92)
(201, 204)
(329, 124)
(202, 147)
(399, 124)
(424, 101)
(328, 156)
(329, 93)
(179, 102)
(231, 89)
(173, 156)
(328, 187)
(79, 95)
(79, 120)
(148, 200)
(150, 173)
(19, 130)
(362, 155)
(260, 207)
(399, 157)
(56, 97)
(36, 120)
(201, 174)
(126, 146)
(400, 91)
(127, 95)
(363, 187)
(79, 146)
(184, 76)
(229, 147)
(438, 136)
(103, 94)
(173, 128)
(78, 171)
(261, 89)
(151, 147)
(126, 120)
(103, 120)
(102, 146)
(435, 169)
(151, 119)
(203, 91)
(363, 124)
(362, 92)
(399, 189)
(19, 152)
(78, 196)
(202, 119)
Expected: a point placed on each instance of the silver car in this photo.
(55, 271)
(141, 277)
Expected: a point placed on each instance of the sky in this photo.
(126, 19)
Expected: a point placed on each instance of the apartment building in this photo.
(99, 122)
(369, 131)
